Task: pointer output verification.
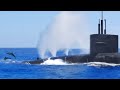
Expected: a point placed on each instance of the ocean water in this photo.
(14, 68)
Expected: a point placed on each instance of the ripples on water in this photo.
(78, 71)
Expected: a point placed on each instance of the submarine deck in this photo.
(101, 57)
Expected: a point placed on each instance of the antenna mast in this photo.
(102, 15)
(102, 22)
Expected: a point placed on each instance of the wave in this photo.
(9, 61)
(101, 64)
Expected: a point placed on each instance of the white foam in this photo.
(101, 64)
(54, 62)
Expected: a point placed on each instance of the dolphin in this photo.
(12, 54)
(5, 58)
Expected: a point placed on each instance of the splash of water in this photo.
(54, 62)
(69, 30)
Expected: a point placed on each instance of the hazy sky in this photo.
(22, 28)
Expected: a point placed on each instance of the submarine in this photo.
(103, 48)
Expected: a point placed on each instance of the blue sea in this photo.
(13, 68)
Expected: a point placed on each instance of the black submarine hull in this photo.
(101, 57)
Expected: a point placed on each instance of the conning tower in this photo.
(103, 42)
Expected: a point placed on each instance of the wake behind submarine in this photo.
(103, 48)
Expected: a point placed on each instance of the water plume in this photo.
(69, 29)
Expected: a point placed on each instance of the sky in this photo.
(19, 29)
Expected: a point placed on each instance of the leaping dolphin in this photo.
(10, 53)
